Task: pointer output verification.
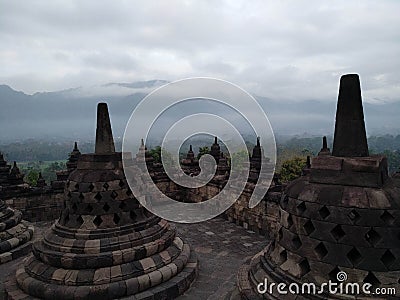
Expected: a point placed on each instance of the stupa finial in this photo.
(350, 136)
(104, 136)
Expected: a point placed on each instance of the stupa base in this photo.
(169, 289)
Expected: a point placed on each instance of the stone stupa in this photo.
(190, 164)
(105, 244)
(342, 217)
(71, 164)
(15, 234)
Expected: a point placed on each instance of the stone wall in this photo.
(45, 204)
(261, 219)
(37, 204)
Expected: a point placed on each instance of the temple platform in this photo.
(221, 248)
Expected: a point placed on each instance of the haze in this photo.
(289, 52)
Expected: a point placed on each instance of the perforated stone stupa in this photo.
(343, 215)
(15, 234)
(11, 178)
(190, 164)
(62, 175)
(105, 244)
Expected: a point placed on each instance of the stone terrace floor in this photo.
(221, 248)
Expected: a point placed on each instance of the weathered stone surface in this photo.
(350, 139)
(15, 234)
(104, 138)
(104, 238)
(342, 215)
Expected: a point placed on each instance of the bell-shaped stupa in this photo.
(105, 245)
(340, 222)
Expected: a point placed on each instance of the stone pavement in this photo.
(9, 268)
(221, 247)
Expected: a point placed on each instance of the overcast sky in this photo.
(290, 50)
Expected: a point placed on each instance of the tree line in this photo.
(36, 156)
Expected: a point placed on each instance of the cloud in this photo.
(287, 50)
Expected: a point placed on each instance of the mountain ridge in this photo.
(68, 113)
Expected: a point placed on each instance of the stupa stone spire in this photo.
(190, 164)
(4, 170)
(190, 154)
(350, 136)
(255, 160)
(15, 177)
(41, 182)
(324, 150)
(215, 150)
(104, 136)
